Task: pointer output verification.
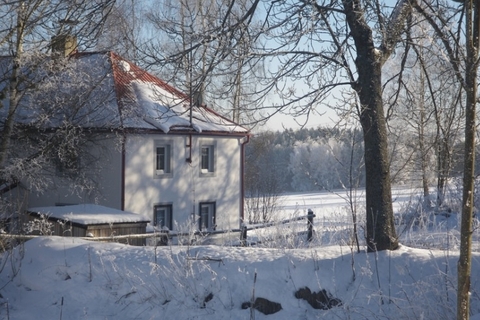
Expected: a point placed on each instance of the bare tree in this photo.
(309, 48)
(355, 42)
(472, 27)
(219, 71)
(122, 30)
(43, 93)
(424, 106)
(461, 44)
(262, 178)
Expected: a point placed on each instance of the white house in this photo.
(160, 156)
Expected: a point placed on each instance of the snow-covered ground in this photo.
(325, 203)
(70, 278)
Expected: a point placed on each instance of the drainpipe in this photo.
(122, 196)
(242, 179)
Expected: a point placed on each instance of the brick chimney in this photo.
(64, 44)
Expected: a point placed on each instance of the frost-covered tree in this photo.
(43, 93)
(457, 24)
(218, 72)
(331, 162)
(424, 105)
(263, 178)
(315, 46)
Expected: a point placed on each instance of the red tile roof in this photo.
(126, 74)
(110, 92)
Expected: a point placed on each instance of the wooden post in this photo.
(163, 238)
(243, 236)
(310, 225)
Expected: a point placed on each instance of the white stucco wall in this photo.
(186, 187)
(105, 172)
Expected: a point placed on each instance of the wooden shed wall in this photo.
(119, 229)
(69, 229)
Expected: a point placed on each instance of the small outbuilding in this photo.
(91, 220)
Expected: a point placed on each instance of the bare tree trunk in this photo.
(381, 233)
(443, 164)
(237, 93)
(352, 188)
(421, 140)
(12, 89)
(471, 66)
(380, 225)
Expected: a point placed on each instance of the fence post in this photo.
(163, 238)
(310, 225)
(243, 235)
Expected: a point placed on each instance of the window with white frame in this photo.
(162, 216)
(207, 158)
(207, 216)
(163, 158)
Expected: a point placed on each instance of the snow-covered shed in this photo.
(91, 220)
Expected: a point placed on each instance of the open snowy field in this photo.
(325, 203)
(70, 278)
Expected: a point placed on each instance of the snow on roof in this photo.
(88, 214)
(167, 112)
(151, 103)
(104, 91)
(78, 92)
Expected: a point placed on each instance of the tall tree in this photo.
(424, 101)
(472, 28)
(309, 48)
(191, 46)
(461, 46)
(354, 57)
(369, 61)
(37, 37)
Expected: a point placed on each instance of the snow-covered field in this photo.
(325, 203)
(69, 278)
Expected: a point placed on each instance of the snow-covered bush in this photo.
(40, 226)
